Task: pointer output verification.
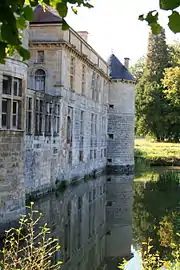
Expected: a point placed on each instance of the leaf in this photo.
(2, 52)
(65, 26)
(21, 23)
(62, 9)
(88, 5)
(10, 34)
(74, 10)
(156, 28)
(169, 4)
(150, 18)
(141, 17)
(28, 13)
(174, 22)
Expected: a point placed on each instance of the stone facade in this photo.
(12, 95)
(70, 118)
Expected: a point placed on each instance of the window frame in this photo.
(12, 98)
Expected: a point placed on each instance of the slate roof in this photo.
(118, 70)
(49, 15)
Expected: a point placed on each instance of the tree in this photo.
(174, 51)
(15, 13)
(171, 83)
(138, 69)
(151, 106)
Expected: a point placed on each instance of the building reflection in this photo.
(92, 221)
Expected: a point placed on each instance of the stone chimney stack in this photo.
(126, 62)
(84, 35)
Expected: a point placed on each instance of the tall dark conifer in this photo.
(151, 106)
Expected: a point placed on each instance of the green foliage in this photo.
(29, 247)
(138, 69)
(173, 19)
(157, 92)
(171, 83)
(14, 15)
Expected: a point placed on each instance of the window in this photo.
(70, 157)
(28, 115)
(109, 160)
(93, 85)
(97, 87)
(40, 56)
(40, 80)
(17, 85)
(11, 103)
(7, 82)
(81, 142)
(48, 118)
(69, 125)
(83, 83)
(72, 73)
(69, 130)
(82, 123)
(111, 106)
(56, 119)
(16, 114)
(111, 136)
(105, 152)
(38, 117)
(94, 154)
(91, 154)
(5, 113)
(81, 155)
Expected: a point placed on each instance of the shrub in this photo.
(29, 247)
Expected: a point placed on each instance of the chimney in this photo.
(84, 35)
(126, 62)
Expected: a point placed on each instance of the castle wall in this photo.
(121, 125)
(50, 158)
(12, 191)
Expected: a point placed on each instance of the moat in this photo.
(101, 220)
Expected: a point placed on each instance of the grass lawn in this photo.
(158, 153)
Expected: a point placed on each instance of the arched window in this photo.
(40, 80)
(69, 130)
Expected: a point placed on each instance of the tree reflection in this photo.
(156, 215)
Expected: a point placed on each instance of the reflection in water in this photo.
(92, 222)
(156, 215)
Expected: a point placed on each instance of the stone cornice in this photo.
(123, 81)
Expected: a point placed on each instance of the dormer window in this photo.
(40, 80)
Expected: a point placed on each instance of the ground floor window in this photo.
(11, 103)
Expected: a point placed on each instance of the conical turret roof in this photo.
(118, 70)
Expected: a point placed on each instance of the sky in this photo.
(113, 26)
